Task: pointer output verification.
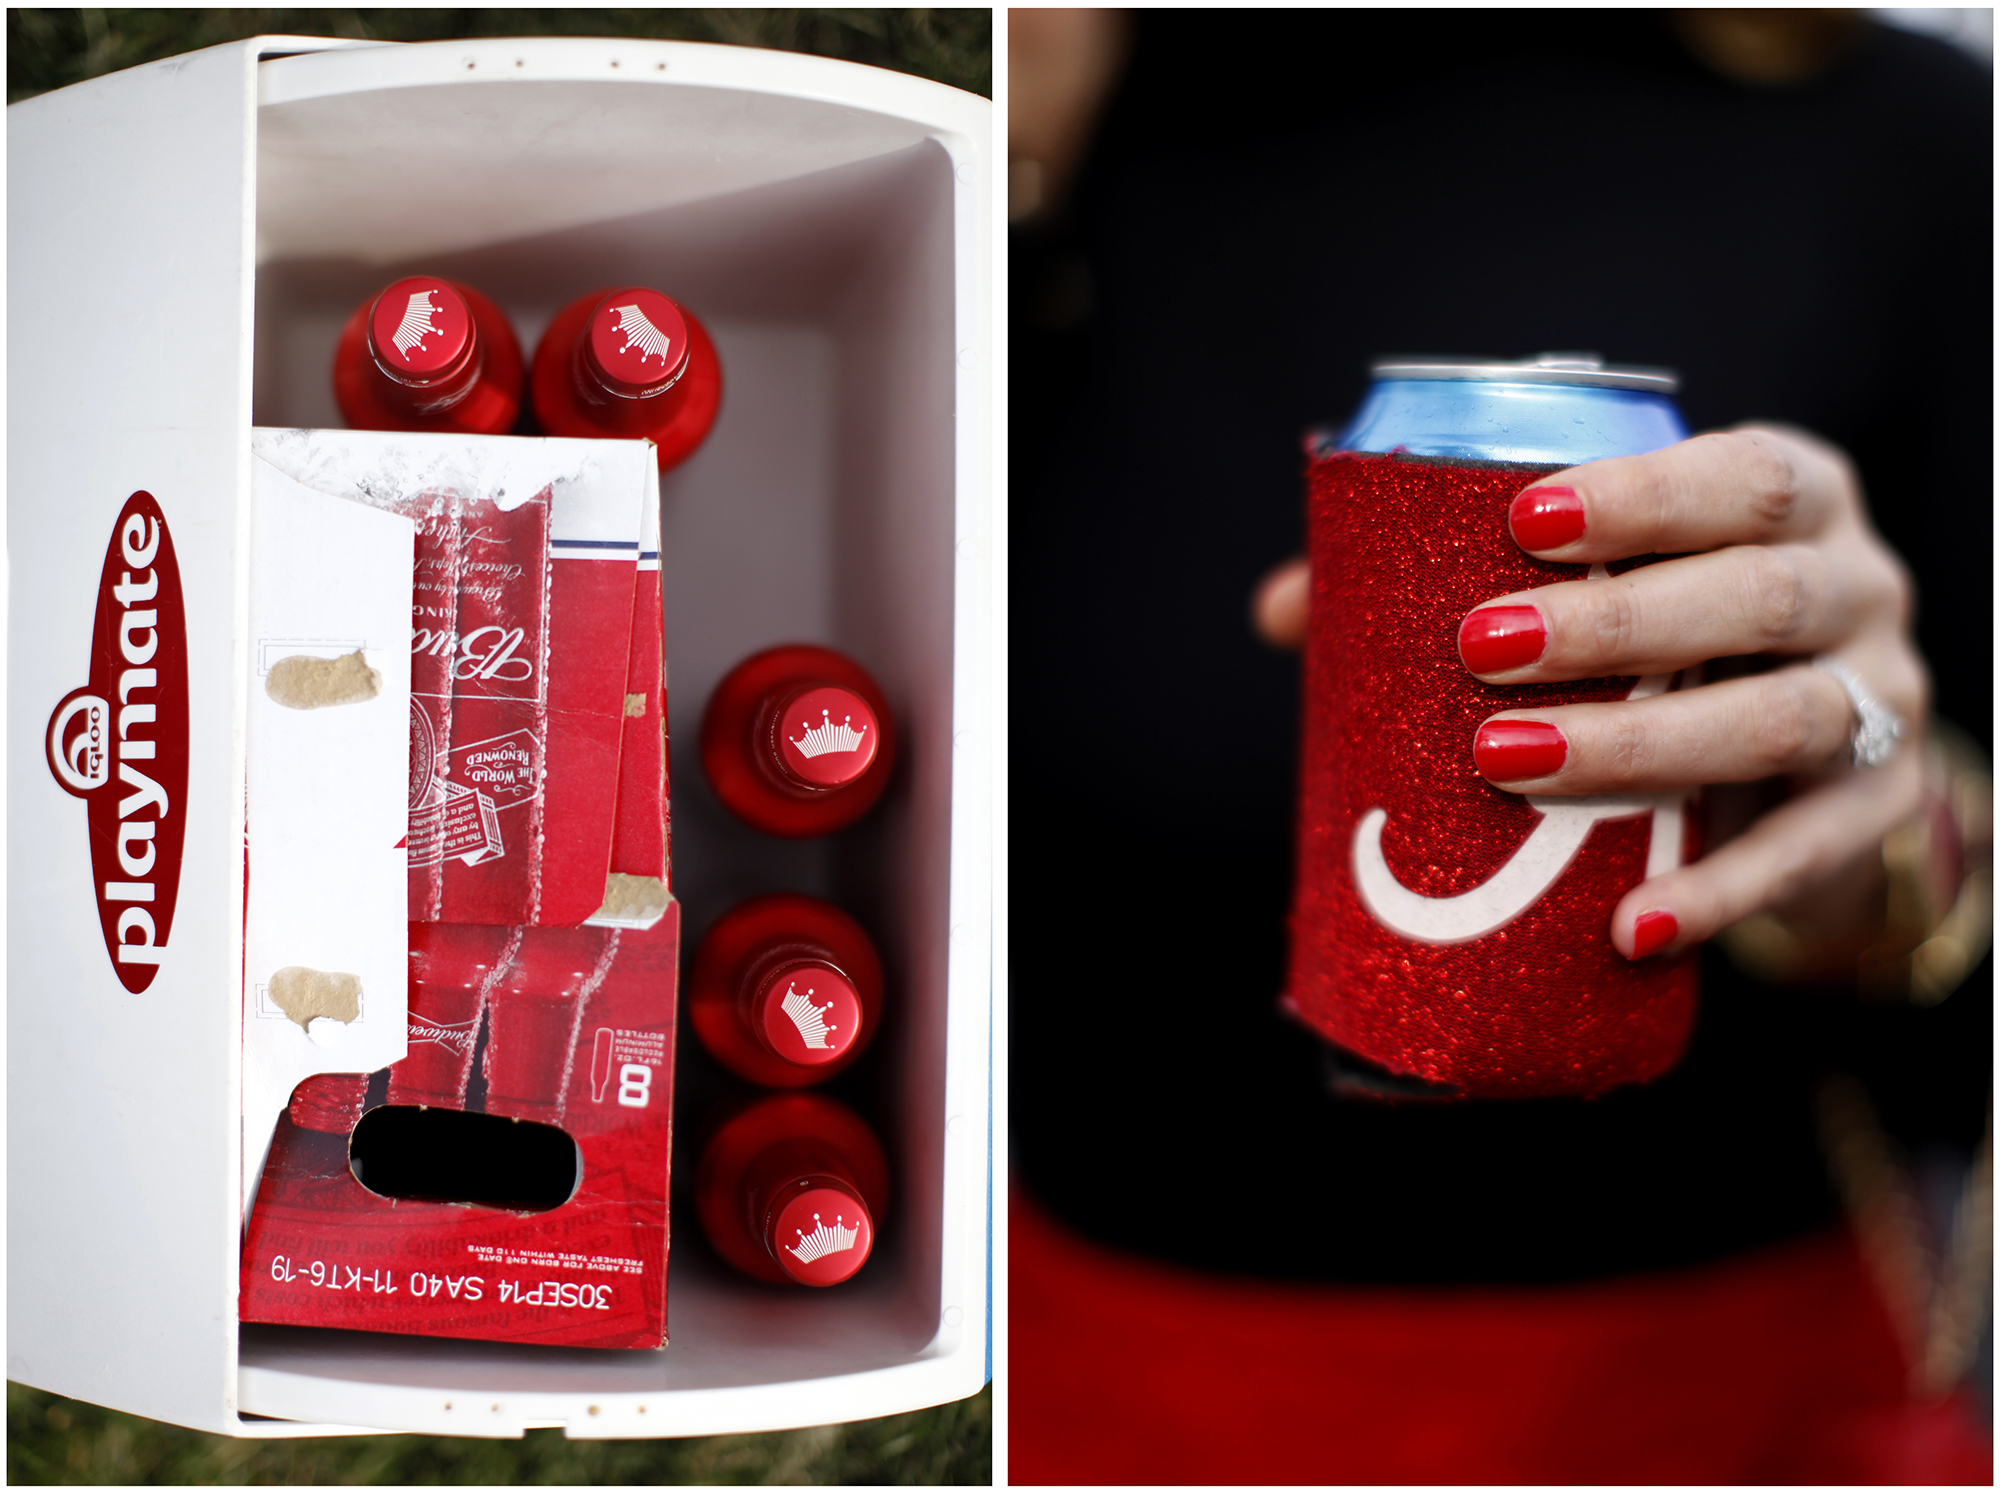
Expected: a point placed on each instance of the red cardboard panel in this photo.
(580, 1035)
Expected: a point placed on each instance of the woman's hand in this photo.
(1775, 557)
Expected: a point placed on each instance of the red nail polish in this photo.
(1546, 518)
(1509, 750)
(1495, 639)
(1651, 932)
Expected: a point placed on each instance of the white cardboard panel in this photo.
(328, 796)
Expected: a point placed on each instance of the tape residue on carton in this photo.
(304, 683)
(632, 902)
(303, 993)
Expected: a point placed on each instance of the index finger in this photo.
(1751, 486)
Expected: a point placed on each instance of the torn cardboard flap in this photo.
(304, 683)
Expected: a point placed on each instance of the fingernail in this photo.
(1546, 518)
(1651, 932)
(1507, 750)
(1495, 639)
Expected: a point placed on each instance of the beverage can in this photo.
(1451, 939)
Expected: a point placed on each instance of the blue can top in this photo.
(1559, 409)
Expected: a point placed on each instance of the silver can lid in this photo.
(1545, 368)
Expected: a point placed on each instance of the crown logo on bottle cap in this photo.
(826, 1239)
(640, 333)
(417, 324)
(826, 737)
(809, 1019)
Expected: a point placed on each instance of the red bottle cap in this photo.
(809, 1013)
(420, 331)
(637, 343)
(822, 1235)
(825, 737)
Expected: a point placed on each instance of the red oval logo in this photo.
(120, 742)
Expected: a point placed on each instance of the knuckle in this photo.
(1606, 619)
(1622, 747)
(1921, 697)
(1846, 476)
(1779, 596)
(1905, 682)
(1894, 585)
(1782, 733)
(1769, 475)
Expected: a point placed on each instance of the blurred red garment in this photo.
(1776, 1366)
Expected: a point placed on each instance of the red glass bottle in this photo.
(628, 363)
(429, 355)
(789, 1189)
(785, 990)
(797, 741)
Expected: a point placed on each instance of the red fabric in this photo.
(1775, 1367)
(1540, 1004)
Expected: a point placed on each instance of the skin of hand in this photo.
(1062, 65)
(1774, 557)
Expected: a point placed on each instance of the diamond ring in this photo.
(1876, 727)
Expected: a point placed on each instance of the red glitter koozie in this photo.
(1445, 930)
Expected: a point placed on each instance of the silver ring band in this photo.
(1876, 727)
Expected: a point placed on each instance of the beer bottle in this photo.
(797, 741)
(788, 1190)
(428, 354)
(785, 990)
(627, 363)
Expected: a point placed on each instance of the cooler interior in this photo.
(820, 509)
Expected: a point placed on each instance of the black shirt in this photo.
(1272, 200)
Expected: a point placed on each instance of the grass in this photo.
(51, 1440)
(53, 48)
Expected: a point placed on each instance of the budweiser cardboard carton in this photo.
(483, 591)
(579, 1037)
(521, 660)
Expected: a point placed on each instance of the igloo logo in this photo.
(119, 742)
(80, 742)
